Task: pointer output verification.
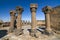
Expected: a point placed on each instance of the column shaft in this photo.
(12, 21)
(47, 19)
(33, 20)
(19, 21)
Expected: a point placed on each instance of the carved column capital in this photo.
(47, 9)
(12, 13)
(33, 7)
(19, 9)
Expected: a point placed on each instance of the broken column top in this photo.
(47, 9)
(19, 8)
(12, 12)
(33, 5)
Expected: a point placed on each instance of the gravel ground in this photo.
(26, 36)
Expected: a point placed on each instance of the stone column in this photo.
(33, 8)
(19, 11)
(12, 20)
(47, 10)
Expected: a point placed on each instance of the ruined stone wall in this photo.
(55, 18)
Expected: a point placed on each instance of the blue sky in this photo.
(7, 5)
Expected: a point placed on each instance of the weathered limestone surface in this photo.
(47, 11)
(19, 30)
(12, 14)
(33, 8)
(55, 19)
(19, 16)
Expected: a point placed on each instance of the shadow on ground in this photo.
(3, 33)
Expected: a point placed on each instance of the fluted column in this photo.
(12, 20)
(33, 8)
(47, 11)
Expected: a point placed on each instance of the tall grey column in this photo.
(19, 16)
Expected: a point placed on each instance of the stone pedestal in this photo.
(33, 8)
(47, 11)
(19, 21)
(12, 20)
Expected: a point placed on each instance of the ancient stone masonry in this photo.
(33, 8)
(12, 14)
(55, 18)
(19, 16)
(47, 11)
(52, 20)
(19, 11)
